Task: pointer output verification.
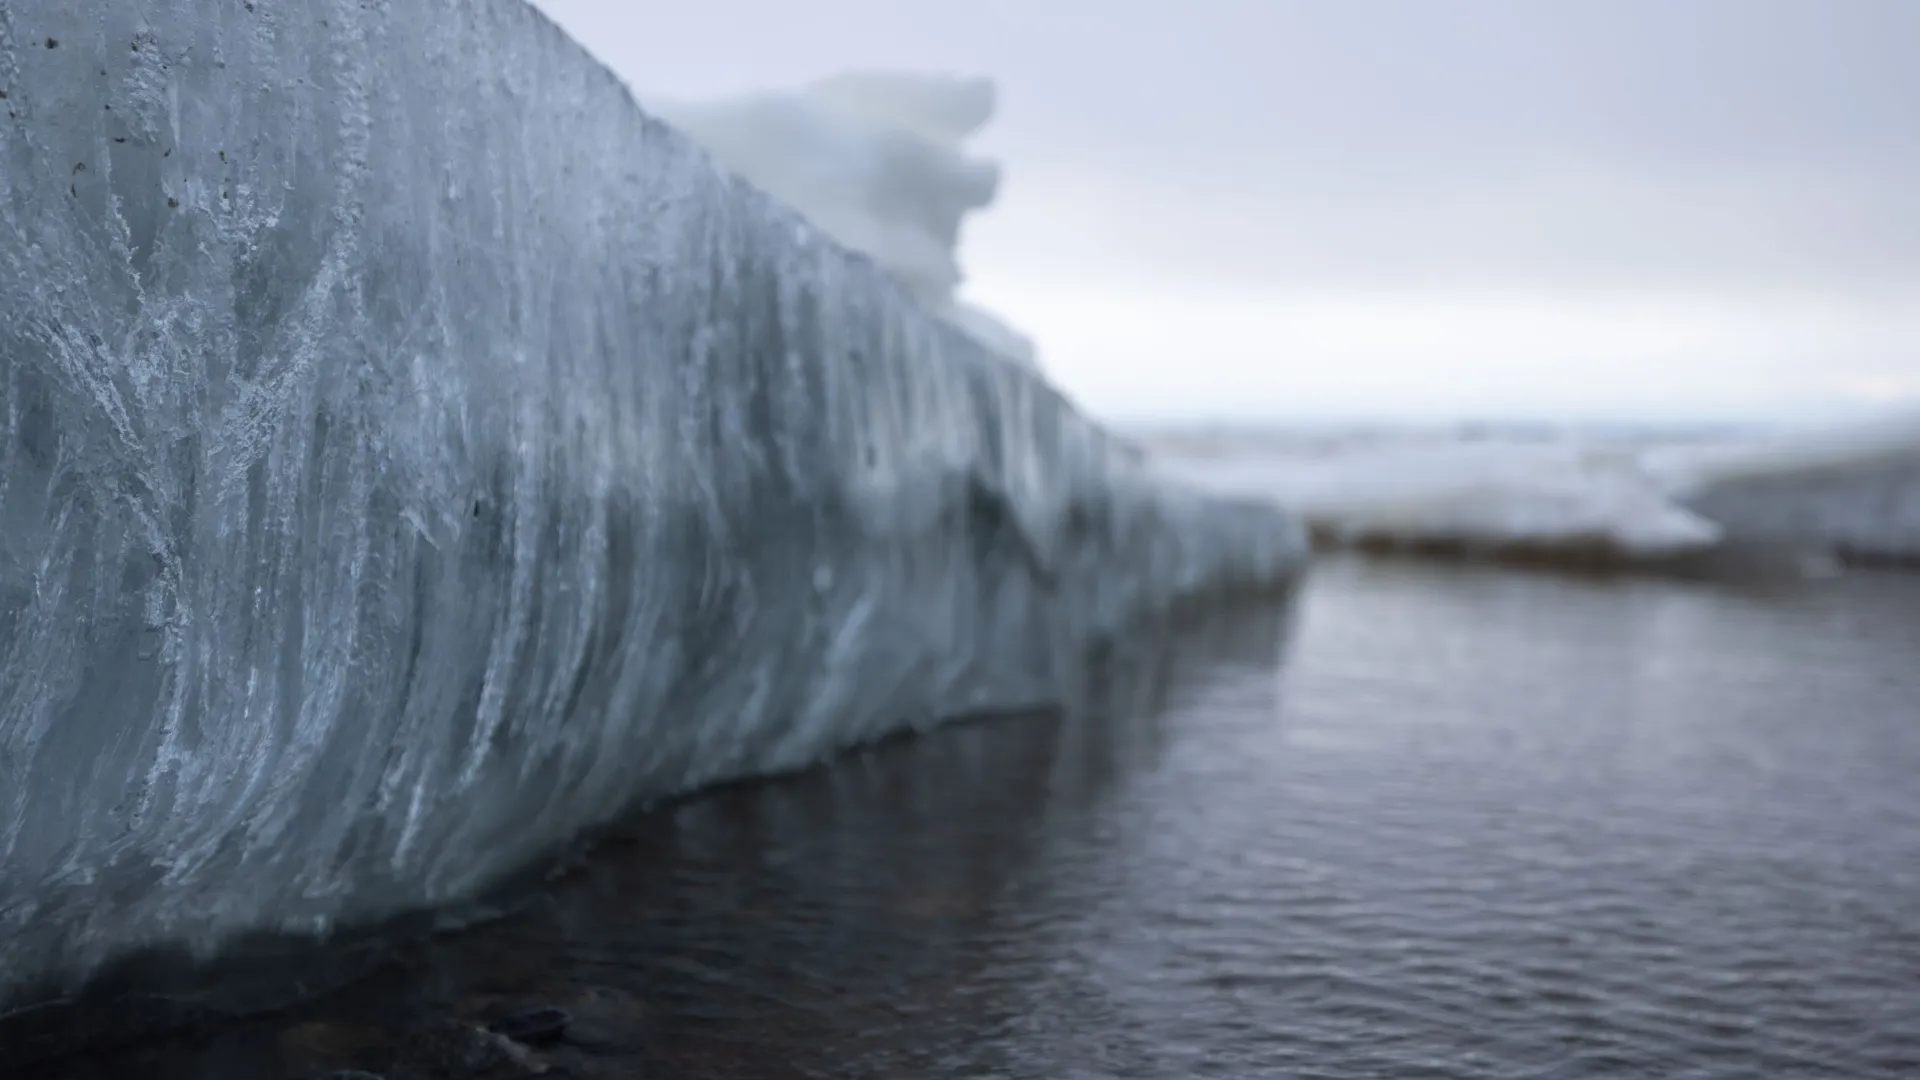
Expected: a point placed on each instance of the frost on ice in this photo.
(411, 454)
(877, 159)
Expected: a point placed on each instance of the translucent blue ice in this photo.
(411, 454)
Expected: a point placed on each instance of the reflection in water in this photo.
(855, 914)
(1480, 824)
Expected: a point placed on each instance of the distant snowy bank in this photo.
(1811, 496)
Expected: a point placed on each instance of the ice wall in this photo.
(877, 159)
(1852, 489)
(1585, 497)
(1869, 515)
(411, 453)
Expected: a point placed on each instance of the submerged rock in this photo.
(533, 1027)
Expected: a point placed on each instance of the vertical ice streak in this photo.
(877, 159)
(414, 454)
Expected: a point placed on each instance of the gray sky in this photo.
(1243, 208)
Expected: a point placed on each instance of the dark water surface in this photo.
(1456, 822)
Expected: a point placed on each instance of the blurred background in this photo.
(1627, 291)
(1263, 210)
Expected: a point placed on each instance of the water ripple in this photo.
(1478, 825)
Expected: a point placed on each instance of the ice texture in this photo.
(1850, 490)
(877, 159)
(412, 454)
(1540, 499)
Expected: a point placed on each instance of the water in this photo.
(1479, 823)
(412, 454)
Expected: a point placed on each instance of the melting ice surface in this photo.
(1849, 490)
(1854, 489)
(877, 160)
(412, 454)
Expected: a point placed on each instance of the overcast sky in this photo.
(1433, 208)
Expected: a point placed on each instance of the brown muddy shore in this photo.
(1602, 558)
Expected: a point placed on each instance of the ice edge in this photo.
(412, 455)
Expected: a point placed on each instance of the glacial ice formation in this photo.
(876, 159)
(1851, 491)
(1542, 500)
(413, 454)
